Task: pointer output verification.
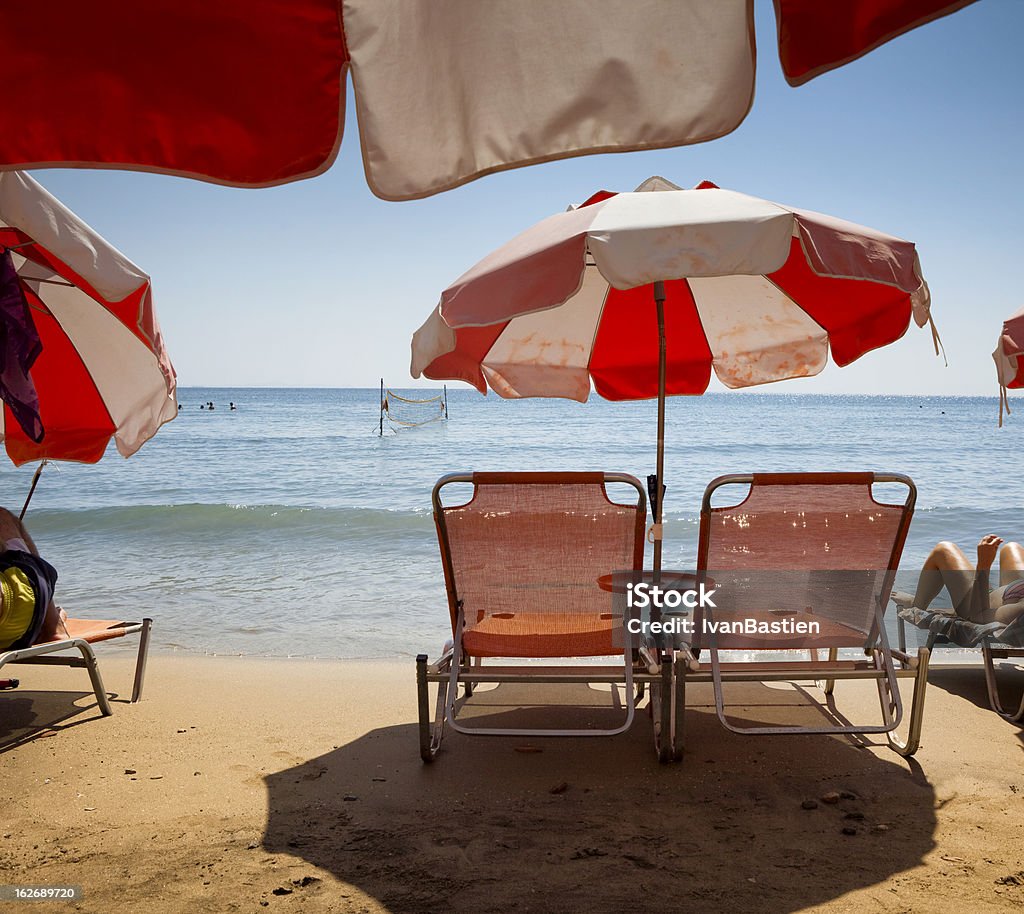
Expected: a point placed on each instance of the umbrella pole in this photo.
(32, 488)
(659, 487)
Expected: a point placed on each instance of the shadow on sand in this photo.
(559, 825)
(26, 715)
(970, 685)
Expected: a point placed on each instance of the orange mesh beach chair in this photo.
(82, 634)
(522, 555)
(804, 564)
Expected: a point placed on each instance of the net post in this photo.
(381, 407)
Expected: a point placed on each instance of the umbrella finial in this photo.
(656, 183)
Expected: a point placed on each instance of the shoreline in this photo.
(943, 655)
(289, 784)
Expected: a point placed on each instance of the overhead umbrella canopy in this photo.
(251, 92)
(755, 291)
(816, 37)
(1009, 359)
(102, 371)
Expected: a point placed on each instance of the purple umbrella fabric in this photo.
(19, 348)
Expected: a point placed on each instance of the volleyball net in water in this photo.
(406, 412)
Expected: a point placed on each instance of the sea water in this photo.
(290, 527)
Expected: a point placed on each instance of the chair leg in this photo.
(828, 686)
(430, 735)
(661, 704)
(94, 675)
(993, 689)
(423, 705)
(140, 663)
(678, 709)
(908, 747)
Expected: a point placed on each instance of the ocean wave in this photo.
(211, 520)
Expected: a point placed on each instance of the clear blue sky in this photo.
(319, 283)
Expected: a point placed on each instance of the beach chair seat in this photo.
(82, 634)
(997, 640)
(523, 555)
(542, 634)
(803, 564)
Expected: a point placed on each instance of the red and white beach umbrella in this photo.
(1009, 359)
(252, 92)
(95, 355)
(643, 294)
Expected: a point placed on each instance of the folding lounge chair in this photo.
(998, 642)
(82, 634)
(522, 559)
(811, 548)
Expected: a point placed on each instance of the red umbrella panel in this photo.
(102, 372)
(816, 37)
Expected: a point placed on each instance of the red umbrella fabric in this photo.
(251, 92)
(245, 92)
(816, 37)
(1009, 359)
(102, 371)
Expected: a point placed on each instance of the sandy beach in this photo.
(244, 785)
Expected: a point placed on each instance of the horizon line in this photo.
(751, 391)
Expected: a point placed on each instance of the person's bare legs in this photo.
(968, 586)
(1011, 563)
(946, 566)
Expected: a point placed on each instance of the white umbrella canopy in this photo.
(643, 294)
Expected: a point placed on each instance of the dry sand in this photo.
(251, 785)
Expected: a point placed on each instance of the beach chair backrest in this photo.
(805, 544)
(527, 550)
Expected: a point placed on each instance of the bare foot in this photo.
(53, 627)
